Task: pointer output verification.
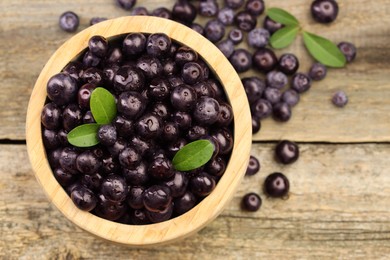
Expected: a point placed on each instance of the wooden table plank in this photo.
(338, 208)
(29, 35)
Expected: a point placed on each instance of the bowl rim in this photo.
(210, 207)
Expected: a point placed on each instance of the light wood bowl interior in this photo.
(179, 227)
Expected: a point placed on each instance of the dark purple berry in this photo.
(98, 45)
(286, 152)
(149, 126)
(184, 203)
(162, 12)
(192, 73)
(261, 108)
(128, 78)
(74, 69)
(276, 185)
(317, 71)
(254, 88)
(271, 25)
(87, 163)
(173, 147)
(51, 116)
(184, 12)
(160, 216)
(324, 11)
(119, 145)
(224, 140)
(109, 164)
(90, 60)
(114, 56)
(288, 63)
(110, 210)
(138, 217)
(129, 158)
(264, 60)
(68, 160)
(158, 44)
(54, 157)
(226, 47)
(157, 198)
(276, 79)
(183, 98)
(182, 119)
(150, 66)
(251, 202)
(92, 181)
(253, 166)
(126, 4)
(123, 126)
(206, 111)
(137, 176)
(114, 188)
(196, 132)
(84, 95)
(170, 132)
(63, 137)
(236, 36)
(245, 21)
(273, 95)
(161, 109)
(93, 76)
(62, 89)
(225, 115)
(177, 184)
(202, 184)
(134, 44)
(234, 4)
(107, 135)
(88, 118)
(300, 82)
(256, 124)
(83, 198)
(159, 89)
(348, 49)
(131, 104)
(71, 117)
(255, 7)
(65, 178)
(290, 97)
(135, 197)
(226, 16)
(203, 88)
(281, 111)
(340, 99)
(241, 60)
(214, 30)
(50, 139)
(258, 38)
(184, 55)
(208, 8)
(197, 28)
(216, 166)
(69, 21)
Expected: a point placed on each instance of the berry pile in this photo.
(276, 87)
(166, 96)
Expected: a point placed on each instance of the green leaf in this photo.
(193, 155)
(284, 36)
(84, 135)
(282, 16)
(324, 50)
(103, 106)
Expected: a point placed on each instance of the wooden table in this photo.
(340, 187)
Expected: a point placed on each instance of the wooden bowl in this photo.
(179, 227)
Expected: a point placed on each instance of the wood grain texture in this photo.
(204, 212)
(30, 34)
(337, 209)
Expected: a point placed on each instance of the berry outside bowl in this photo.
(203, 213)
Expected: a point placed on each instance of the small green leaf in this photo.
(284, 36)
(84, 135)
(103, 106)
(282, 16)
(324, 50)
(193, 155)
